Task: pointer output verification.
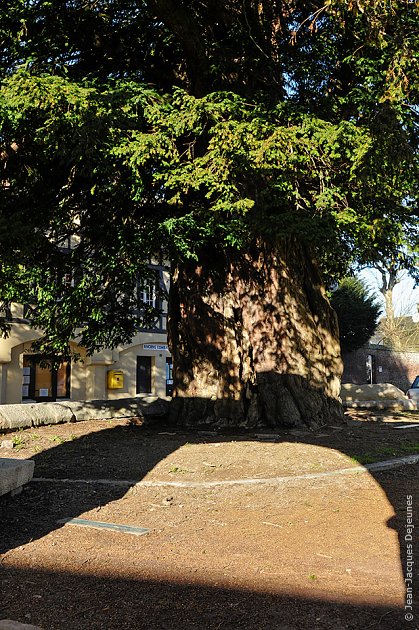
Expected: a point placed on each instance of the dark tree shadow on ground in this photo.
(104, 455)
(98, 603)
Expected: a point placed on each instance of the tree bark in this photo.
(180, 20)
(390, 278)
(254, 340)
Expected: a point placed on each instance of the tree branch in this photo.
(180, 20)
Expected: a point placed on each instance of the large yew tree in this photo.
(259, 145)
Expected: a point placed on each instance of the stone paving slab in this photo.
(14, 473)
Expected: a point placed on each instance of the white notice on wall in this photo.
(155, 346)
(43, 392)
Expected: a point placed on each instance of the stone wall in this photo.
(398, 368)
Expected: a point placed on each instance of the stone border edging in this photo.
(28, 415)
(384, 404)
(15, 473)
(385, 465)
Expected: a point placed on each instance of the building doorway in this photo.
(44, 384)
(144, 369)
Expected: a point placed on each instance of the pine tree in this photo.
(357, 312)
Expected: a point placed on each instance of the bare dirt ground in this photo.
(245, 531)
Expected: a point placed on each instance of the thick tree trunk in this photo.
(254, 340)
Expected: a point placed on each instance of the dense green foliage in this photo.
(139, 126)
(357, 312)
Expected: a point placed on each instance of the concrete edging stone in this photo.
(20, 416)
(392, 405)
(14, 473)
(14, 417)
(8, 624)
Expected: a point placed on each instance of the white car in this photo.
(413, 391)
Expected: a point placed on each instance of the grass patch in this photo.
(18, 442)
(57, 439)
(60, 440)
(386, 452)
(178, 470)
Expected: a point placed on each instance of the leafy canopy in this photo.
(137, 127)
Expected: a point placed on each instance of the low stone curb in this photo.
(20, 416)
(14, 473)
(375, 396)
(8, 624)
(131, 483)
(14, 417)
(392, 405)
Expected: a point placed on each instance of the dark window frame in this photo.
(33, 360)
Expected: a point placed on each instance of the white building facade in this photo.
(141, 368)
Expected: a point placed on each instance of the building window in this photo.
(152, 292)
(148, 295)
(143, 375)
(41, 383)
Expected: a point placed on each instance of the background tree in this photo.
(252, 141)
(398, 332)
(398, 328)
(357, 312)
